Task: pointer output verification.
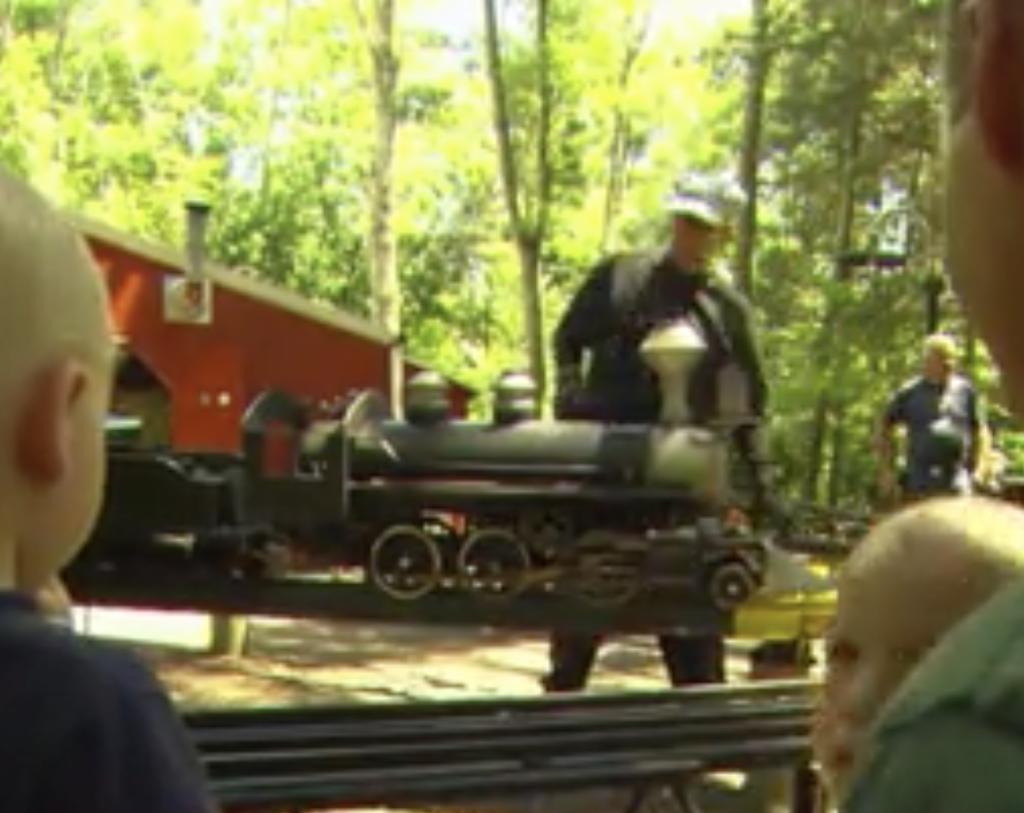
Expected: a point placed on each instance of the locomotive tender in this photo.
(498, 508)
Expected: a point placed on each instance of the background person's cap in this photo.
(714, 201)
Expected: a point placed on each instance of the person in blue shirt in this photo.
(84, 727)
(946, 434)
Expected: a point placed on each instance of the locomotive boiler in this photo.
(497, 508)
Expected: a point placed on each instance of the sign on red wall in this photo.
(187, 301)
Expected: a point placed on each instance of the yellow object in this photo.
(785, 617)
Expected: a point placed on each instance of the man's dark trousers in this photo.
(687, 660)
(955, 483)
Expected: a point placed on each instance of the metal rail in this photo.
(273, 761)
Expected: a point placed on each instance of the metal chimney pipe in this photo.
(197, 219)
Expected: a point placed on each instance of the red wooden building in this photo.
(193, 378)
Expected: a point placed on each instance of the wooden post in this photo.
(782, 790)
(396, 377)
(808, 793)
(229, 635)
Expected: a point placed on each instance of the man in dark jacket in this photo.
(623, 298)
(627, 295)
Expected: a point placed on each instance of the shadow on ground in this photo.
(303, 663)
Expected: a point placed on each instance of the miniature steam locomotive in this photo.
(496, 508)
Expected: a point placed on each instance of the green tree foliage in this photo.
(851, 131)
(123, 109)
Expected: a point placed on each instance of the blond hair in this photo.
(975, 545)
(943, 346)
(52, 297)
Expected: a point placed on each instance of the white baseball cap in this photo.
(711, 200)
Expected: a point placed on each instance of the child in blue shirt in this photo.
(83, 727)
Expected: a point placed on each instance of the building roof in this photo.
(242, 281)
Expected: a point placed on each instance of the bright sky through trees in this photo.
(462, 17)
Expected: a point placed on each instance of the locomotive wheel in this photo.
(603, 574)
(543, 532)
(730, 584)
(405, 563)
(493, 563)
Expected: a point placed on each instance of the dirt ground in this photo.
(309, 663)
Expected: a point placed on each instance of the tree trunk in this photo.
(531, 248)
(618, 146)
(827, 409)
(971, 352)
(271, 121)
(7, 32)
(758, 67)
(816, 445)
(837, 464)
(956, 75)
(55, 61)
(955, 58)
(528, 233)
(379, 27)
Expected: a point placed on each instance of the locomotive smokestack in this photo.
(197, 219)
(672, 352)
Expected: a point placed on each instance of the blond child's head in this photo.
(56, 363)
(916, 575)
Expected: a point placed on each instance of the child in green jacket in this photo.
(905, 601)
